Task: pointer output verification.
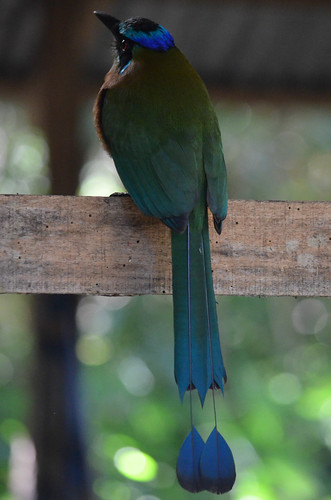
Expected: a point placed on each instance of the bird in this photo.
(154, 116)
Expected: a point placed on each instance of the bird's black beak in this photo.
(109, 21)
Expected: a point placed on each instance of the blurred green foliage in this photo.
(276, 413)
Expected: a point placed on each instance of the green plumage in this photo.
(155, 117)
(164, 144)
(164, 137)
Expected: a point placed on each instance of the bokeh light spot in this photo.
(136, 376)
(245, 453)
(135, 464)
(107, 445)
(92, 316)
(285, 388)
(93, 350)
(315, 401)
(99, 177)
(309, 316)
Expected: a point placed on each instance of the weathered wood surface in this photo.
(105, 246)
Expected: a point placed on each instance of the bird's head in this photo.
(134, 32)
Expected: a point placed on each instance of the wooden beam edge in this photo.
(105, 246)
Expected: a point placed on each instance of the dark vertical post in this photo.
(56, 419)
(57, 424)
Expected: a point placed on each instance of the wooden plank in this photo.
(105, 246)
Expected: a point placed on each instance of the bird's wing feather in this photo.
(215, 170)
(160, 171)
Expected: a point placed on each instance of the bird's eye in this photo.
(124, 50)
(124, 45)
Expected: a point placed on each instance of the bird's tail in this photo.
(198, 358)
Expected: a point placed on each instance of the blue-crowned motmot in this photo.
(154, 116)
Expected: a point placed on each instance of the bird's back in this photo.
(158, 114)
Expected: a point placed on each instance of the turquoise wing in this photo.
(215, 169)
(159, 166)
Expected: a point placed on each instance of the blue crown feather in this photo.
(157, 38)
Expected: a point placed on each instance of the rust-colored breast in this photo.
(111, 79)
(97, 111)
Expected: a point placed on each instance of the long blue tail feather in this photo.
(188, 462)
(198, 358)
(195, 318)
(217, 468)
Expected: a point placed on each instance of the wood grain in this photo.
(105, 246)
